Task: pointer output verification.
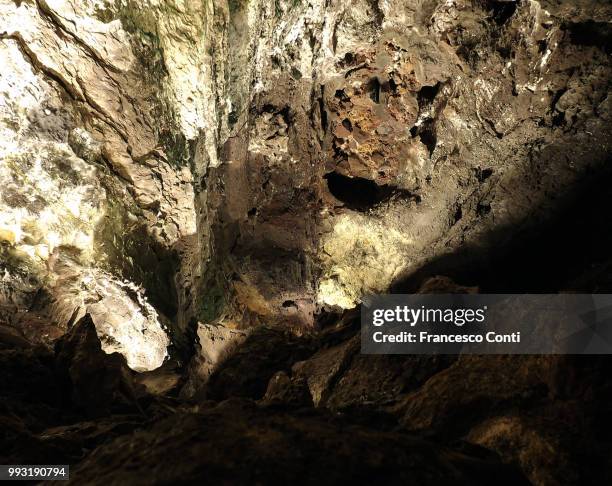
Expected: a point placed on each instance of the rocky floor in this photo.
(306, 410)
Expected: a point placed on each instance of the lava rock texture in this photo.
(196, 195)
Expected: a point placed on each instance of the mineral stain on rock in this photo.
(195, 197)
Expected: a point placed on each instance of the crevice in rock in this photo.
(322, 110)
(592, 34)
(458, 214)
(502, 10)
(482, 209)
(427, 95)
(483, 174)
(558, 119)
(374, 90)
(341, 95)
(427, 134)
(362, 194)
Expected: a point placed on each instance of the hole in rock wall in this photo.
(427, 134)
(356, 192)
(427, 94)
(361, 194)
(592, 34)
(374, 90)
(502, 10)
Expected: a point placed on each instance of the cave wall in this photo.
(376, 137)
(97, 208)
(237, 174)
(268, 161)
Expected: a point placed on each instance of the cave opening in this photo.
(358, 193)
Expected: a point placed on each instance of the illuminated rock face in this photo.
(97, 197)
(125, 321)
(368, 140)
(267, 161)
(183, 171)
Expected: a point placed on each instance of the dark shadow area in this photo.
(361, 194)
(427, 95)
(502, 10)
(569, 250)
(427, 134)
(374, 90)
(592, 34)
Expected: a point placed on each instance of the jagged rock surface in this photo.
(203, 168)
(238, 440)
(93, 169)
(368, 139)
(332, 151)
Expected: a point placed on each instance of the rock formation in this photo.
(206, 190)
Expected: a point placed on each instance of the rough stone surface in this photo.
(367, 143)
(264, 161)
(97, 382)
(217, 344)
(239, 440)
(247, 371)
(89, 163)
(216, 185)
